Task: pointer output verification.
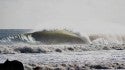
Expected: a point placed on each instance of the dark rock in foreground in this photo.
(11, 65)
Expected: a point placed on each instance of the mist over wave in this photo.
(57, 37)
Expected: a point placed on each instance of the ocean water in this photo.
(12, 36)
(7, 34)
(30, 36)
(57, 47)
(10, 32)
(31, 41)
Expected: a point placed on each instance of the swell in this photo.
(57, 37)
(45, 37)
(62, 37)
(20, 38)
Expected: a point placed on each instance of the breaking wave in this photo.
(62, 37)
(107, 38)
(45, 37)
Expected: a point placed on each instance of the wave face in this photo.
(45, 37)
(57, 37)
(10, 32)
(9, 36)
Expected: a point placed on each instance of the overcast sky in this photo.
(79, 15)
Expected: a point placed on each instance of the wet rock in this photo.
(58, 50)
(37, 68)
(70, 48)
(98, 67)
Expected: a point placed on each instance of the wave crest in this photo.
(62, 37)
(46, 37)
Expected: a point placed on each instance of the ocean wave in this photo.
(45, 37)
(62, 37)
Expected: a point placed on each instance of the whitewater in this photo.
(62, 49)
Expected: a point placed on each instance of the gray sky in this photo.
(77, 15)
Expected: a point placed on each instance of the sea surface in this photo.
(62, 49)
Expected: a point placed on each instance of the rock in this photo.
(58, 50)
(11, 65)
